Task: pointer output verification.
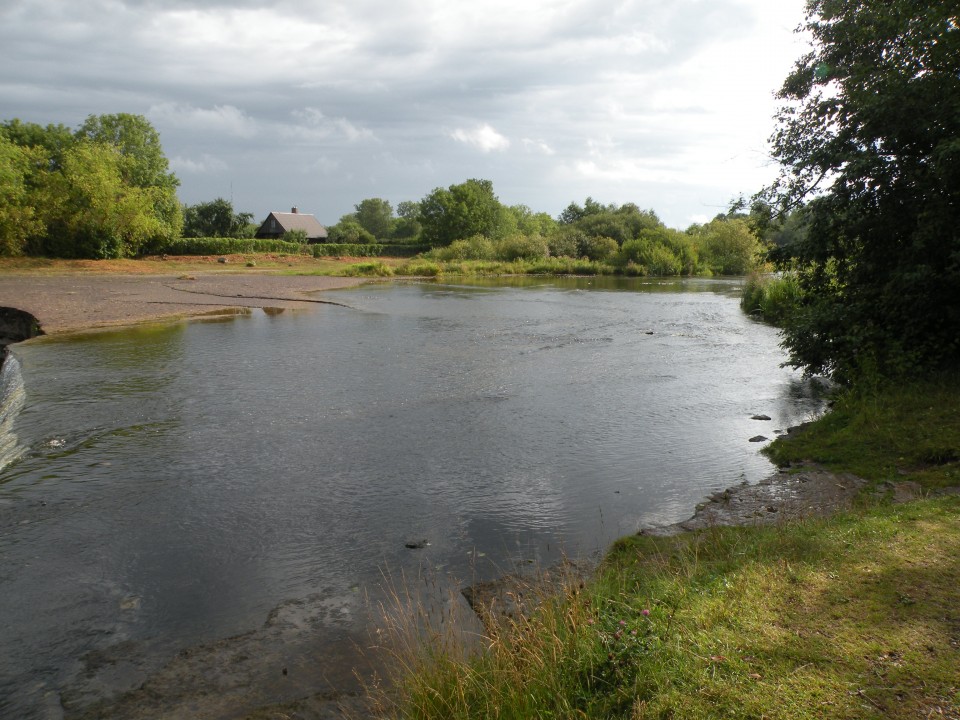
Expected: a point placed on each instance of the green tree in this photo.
(531, 223)
(460, 211)
(90, 212)
(375, 215)
(144, 163)
(214, 219)
(348, 230)
(574, 212)
(729, 247)
(408, 209)
(869, 136)
(52, 139)
(18, 220)
(622, 223)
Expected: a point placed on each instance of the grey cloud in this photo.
(344, 100)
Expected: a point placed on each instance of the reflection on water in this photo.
(180, 483)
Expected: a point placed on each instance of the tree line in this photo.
(864, 217)
(105, 190)
(467, 221)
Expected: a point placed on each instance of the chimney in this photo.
(293, 210)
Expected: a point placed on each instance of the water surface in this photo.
(181, 484)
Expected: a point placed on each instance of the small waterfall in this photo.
(11, 401)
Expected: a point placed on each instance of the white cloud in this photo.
(538, 146)
(314, 125)
(205, 164)
(220, 119)
(483, 137)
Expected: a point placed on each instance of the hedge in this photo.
(235, 246)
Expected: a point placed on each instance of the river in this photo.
(168, 487)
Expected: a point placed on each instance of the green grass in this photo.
(854, 616)
(886, 433)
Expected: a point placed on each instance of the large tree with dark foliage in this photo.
(216, 218)
(869, 138)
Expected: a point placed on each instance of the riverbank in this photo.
(828, 590)
(707, 568)
(75, 301)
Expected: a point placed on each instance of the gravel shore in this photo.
(68, 303)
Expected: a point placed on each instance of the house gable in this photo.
(278, 223)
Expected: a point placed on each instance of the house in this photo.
(277, 223)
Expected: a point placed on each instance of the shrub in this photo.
(598, 248)
(661, 261)
(565, 242)
(346, 250)
(295, 236)
(368, 269)
(227, 246)
(476, 247)
(349, 232)
(517, 247)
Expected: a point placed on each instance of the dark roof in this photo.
(293, 221)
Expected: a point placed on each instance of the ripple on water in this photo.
(257, 478)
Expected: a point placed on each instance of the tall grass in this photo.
(833, 618)
(773, 298)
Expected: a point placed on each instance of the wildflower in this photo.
(623, 623)
(633, 632)
(645, 612)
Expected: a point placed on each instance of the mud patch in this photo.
(276, 666)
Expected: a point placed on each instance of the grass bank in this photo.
(854, 616)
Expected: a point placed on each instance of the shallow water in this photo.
(177, 484)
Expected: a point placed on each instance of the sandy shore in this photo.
(68, 303)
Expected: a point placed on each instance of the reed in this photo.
(773, 298)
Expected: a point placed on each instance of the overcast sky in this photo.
(322, 103)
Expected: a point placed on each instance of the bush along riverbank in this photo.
(849, 616)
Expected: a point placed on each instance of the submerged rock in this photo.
(416, 544)
(761, 417)
(758, 438)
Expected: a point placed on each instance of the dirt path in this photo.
(66, 303)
